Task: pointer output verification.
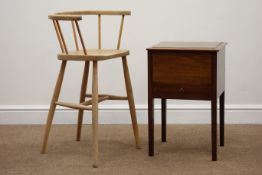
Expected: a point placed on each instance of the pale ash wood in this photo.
(65, 17)
(99, 31)
(76, 15)
(93, 54)
(120, 32)
(74, 34)
(53, 105)
(82, 99)
(95, 12)
(110, 97)
(58, 36)
(131, 102)
(62, 37)
(100, 99)
(81, 38)
(81, 106)
(73, 105)
(198, 46)
(95, 113)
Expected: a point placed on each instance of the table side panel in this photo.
(182, 75)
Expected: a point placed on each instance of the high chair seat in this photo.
(93, 54)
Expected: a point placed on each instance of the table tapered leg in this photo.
(214, 128)
(95, 113)
(222, 118)
(163, 117)
(53, 105)
(82, 99)
(151, 125)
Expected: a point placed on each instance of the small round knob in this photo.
(181, 90)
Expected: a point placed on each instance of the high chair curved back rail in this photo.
(94, 56)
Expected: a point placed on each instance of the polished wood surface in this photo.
(192, 46)
(188, 78)
(188, 71)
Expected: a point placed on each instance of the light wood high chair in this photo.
(94, 56)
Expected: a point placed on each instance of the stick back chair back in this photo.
(74, 17)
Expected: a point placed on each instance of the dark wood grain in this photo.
(182, 68)
(185, 75)
(187, 92)
(189, 71)
(222, 118)
(150, 109)
(214, 109)
(191, 46)
(214, 128)
(163, 119)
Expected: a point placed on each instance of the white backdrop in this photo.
(28, 47)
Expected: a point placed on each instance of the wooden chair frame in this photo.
(92, 104)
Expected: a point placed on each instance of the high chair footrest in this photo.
(73, 105)
(110, 97)
(100, 99)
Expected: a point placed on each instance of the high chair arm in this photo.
(65, 17)
(95, 12)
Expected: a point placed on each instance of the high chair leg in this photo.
(95, 113)
(82, 99)
(131, 101)
(53, 105)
